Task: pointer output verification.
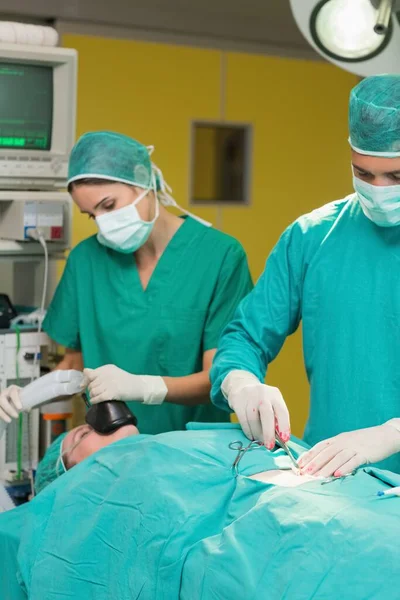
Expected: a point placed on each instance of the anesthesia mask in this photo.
(106, 417)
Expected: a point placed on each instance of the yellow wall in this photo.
(300, 154)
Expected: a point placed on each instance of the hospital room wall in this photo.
(300, 159)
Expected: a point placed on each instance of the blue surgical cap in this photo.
(113, 157)
(374, 116)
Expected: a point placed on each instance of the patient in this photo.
(73, 447)
(106, 423)
(82, 441)
(168, 516)
(111, 421)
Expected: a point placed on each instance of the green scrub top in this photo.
(338, 273)
(101, 309)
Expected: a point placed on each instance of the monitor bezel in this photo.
(64, 63)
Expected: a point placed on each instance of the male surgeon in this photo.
(336, 270)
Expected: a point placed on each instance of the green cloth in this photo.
(338, 273)
(11, 525)
(100, 308)
(165, 518)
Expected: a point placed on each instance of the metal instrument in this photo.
(286, 448)
(241, 450)
(332, 478)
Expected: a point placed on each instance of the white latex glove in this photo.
(111, 383)
(259, 408)
(10, 403)
(346, 452)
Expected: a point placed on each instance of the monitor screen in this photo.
(26, 106)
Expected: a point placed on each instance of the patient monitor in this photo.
(37, 132)
(37, 115)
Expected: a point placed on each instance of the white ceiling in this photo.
(263, 24)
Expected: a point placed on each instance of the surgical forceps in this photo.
(241, 450)
(333, 478)
(286, 448)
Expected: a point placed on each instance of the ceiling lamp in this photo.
(362, 36)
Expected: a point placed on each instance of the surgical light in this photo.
(351, 30)
(360, 36)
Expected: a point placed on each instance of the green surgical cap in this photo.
(50, 466)
(374, 116)
(112, 157)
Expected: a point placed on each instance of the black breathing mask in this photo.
(107, 417)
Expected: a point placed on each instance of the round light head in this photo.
(344, 29)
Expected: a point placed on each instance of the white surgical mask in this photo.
(60, 464)
(123, 229)
(381, 204)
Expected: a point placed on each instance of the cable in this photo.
(20, 416)
(37, 353)
(37, 235)
(44, 292)
(46, 273)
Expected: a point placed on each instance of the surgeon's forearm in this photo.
(190, 390)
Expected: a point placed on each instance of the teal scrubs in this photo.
(100, 308)
(338, 273)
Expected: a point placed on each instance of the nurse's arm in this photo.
(72, 360)
(192, 389)
(265, 318)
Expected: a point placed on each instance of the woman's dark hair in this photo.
(89, 181)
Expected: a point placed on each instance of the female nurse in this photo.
(141, 304)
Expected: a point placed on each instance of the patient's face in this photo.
(84, 441)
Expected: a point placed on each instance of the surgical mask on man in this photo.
(381, 204)
(123, 230)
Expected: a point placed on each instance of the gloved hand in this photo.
(346, 452)
(260, 408)
(111, 383)
(10, 404)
